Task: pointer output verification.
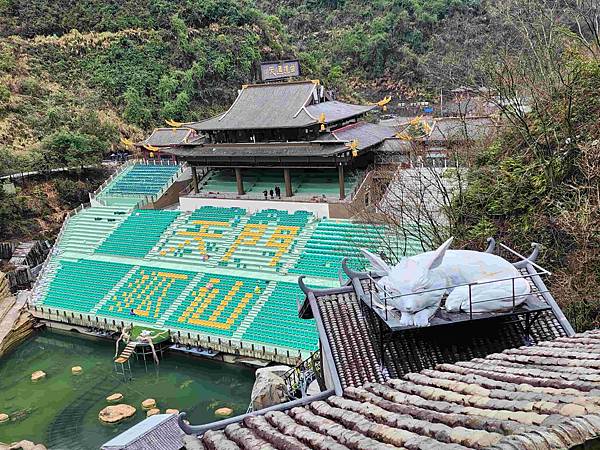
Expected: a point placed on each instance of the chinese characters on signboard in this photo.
(280, 69)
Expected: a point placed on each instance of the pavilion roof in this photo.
(278, 105)
(335, 111)
(459, 129)
(366, 134)
(285, 149)
(167, 137)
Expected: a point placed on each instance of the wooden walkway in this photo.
(126, 353)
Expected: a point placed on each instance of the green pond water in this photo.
(61, 411)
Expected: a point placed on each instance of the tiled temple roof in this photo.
(279, 105)
(541, 397)
(166, 137)
(155, 432)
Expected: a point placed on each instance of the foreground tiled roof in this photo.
(356, 352)
(541, 397)
(157, 432)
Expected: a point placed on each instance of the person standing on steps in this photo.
(278, 192)
(271, 193)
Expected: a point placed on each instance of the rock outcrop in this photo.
(16, 323)
(116, 413)
(269, 388)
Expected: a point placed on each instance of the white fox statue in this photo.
(419, 283)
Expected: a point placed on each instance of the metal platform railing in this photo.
(380, 299)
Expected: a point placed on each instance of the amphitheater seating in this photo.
(266, 240)
(142, 179)
(79, 285)
(149, 292)
(138, 233)
(333, 240)
(86, 230)
(203, 235)
(217, 305)
(304, 182)
(218, 271)
(278, 322)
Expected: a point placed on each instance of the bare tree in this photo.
(419, 198)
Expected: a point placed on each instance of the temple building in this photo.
(295, 127)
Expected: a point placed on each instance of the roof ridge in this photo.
(305, 102)
(232, 105)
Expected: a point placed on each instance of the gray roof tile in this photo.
(367, 134)
(278, 105)
(335, 111)
(165, 137)
(261, 106)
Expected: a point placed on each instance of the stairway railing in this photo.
(299, 378)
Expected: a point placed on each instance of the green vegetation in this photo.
(366, 40)
(74, 76)
(540, 182)
(38, 208)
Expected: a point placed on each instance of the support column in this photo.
(194, 180)
(288, 182)
(239, 180)
(341, 181)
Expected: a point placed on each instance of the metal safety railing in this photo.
(383, 301)
(298, 378)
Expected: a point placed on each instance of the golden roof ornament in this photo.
(383, 102)
(174, 124)
(127, 142)
(353, 145)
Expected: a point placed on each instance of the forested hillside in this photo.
(78, 74)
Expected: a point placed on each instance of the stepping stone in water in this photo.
(223, 412)
(114, 397)
(149, 403)
(152, 412)
(38, 375)
(116, 413)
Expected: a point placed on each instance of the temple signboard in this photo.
(279, 69)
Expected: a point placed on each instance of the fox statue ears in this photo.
(435, 260)
(379, 265)
(438, 255)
